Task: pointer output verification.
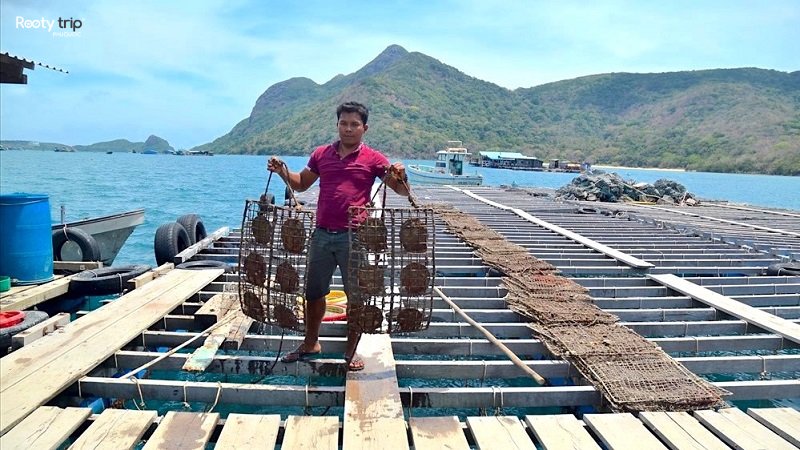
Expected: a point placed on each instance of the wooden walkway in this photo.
(115, 429)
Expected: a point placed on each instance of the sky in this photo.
(188, 71)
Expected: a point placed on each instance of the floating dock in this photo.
(691, 280)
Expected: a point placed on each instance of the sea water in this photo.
(216, 187)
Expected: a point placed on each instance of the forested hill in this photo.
(729, 120)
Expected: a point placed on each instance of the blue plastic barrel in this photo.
(26, 242)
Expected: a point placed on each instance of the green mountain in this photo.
(729, 120)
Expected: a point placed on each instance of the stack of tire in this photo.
(174, 237)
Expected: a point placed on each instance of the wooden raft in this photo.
(24, 297)
(38, 372)
(49, 427)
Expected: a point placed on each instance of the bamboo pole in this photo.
(514, 358)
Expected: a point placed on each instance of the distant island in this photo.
(151, 144)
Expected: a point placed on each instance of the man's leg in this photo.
(353, 336)
(315, 311)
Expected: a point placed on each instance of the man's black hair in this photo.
(353, 107)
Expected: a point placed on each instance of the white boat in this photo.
(448, 169)
(109, 232)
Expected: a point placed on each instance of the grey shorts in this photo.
(326, 251)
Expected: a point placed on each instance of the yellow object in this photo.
(333, 298)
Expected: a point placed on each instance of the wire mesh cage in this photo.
(392, 269)
(272, 257)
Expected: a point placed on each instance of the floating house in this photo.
(509, 160)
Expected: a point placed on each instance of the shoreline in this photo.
(603, 166)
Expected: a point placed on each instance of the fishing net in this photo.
(392, 263)
(631, 373)
(270, 277)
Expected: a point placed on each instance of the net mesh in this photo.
(272, 256)
(392, 268)
(631, 373)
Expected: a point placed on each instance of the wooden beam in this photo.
(200, 245)
(436, 433)
(622, 432)
(183, 430)
(749, 314)
(31, 297)
(239, 329)
(216, 308)
(37, 331)
(741, 431)
(560, 432)
(46, 428)
(36, 373)
(77, 266)
(311, 433)
(783, 421)
(150, 275)
(203, 356)
(373, 413)
(679, 430)
(115, 429)
(505, 432)
(249, 431)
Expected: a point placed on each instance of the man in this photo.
(346, 170)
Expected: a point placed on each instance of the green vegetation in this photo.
(726, 120)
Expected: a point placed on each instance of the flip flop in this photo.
(355, 364)
(298, 355)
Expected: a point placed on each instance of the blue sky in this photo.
(188, 71)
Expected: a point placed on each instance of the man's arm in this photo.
(299, 181)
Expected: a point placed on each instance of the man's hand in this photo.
(277, 166)
(398, 172)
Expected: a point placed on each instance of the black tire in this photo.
(90, 250)
(790, 269)
(201, 264)
(194, 227)
(588, 210)
(171, 239)
(104, 281)
(31, 319)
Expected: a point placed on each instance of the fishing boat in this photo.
(448, 169)
(109, 234)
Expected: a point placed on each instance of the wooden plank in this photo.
(560, 432)
(504, 432)
(31, 297)
(622, 431)
(249, 431)
(783, 421)
(311, 433)
(35, 373)
(183, 430)
(373, 413)
(761, 319)
(679, 430)
(77, 266)
(215, 308)
(37, 331)
(45, 428)
(115, 429)
(200, 245)
(204, 355)
(150, 275)
(239, 328)
(437, 433)
(594, 245)
(741, 431)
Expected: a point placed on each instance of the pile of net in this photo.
(630, 372)
(610, 187)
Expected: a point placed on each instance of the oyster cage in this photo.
(273, 248)
(391, 270)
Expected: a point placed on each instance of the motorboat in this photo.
(448, 168)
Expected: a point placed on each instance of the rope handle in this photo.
(297, 204)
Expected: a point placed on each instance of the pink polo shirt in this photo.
(344, 182)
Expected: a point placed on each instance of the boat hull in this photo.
(421, 176)
(110, 232)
